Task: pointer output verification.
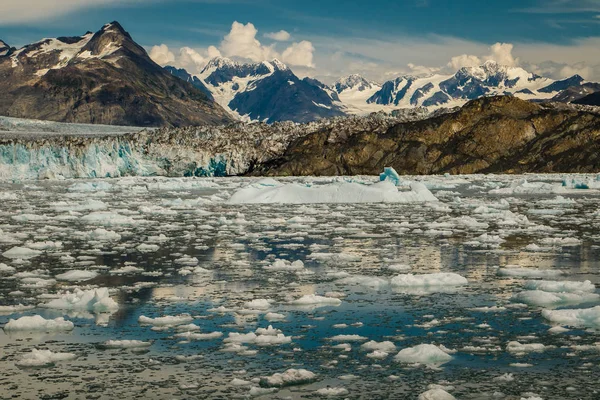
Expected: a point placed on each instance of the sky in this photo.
(326, 39)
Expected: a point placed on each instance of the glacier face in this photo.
(175, 152)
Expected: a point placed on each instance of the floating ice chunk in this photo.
(6, 269)
(436, 394)
(147, 248)
(125, 344)
(259, 391)
(127, 269)
(390, 174)
(42, 358)
(332, 392)
(316, 300)
(348, 338)
(517, 348)
(504, 378)
(107, 218)
(284, 265)
(38, 323)
(524, 187)
(424, 354)
(561, 286)
(582, 317)
(93, 300)
(103, 234)
(288, 378)
(425, 280)
(529, 272)
(373, 282)
(7, 310)
(338, 192)
(199, 336)
(378, 355)
(271, 316)
(21, 252)
(77, 275)
(167, 320)
(47, 245)
(546, 299)
(372, 345)
(258, 304)
(262, 337)
(561, 242)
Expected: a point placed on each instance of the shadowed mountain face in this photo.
(101, 78)
(488, 135)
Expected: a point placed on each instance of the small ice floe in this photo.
(523, 187)
(101, 234)
(199, 336)
(269, 191)
(76, 275)
(166, 321)
(6, 269)
(272, 316)
(436, 394)
(22, 253)
(372, 345)
(37, 323)
(262, 337)
(429, 280)
(582, 317)
(315, 300)
(517, 348)
(519, 272)
(43, 358)
(348, 338)
(428, 354)
(7, 310)
(93, 300)
(285, 266)
(147, 248)
(541, 298)
(290, 377)
(125, 344)
(332, 392)
(561, 286)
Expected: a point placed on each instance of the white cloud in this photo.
(162, 55)
(241, 42)
(281, 36)
(579, 69)
(299, 54)
(421, 69)
(191, 60)
(23, 11)
(502, 54)
(464, 60)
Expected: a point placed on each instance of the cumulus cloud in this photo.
(578, 69)
(191, 60)
(241, 42)
(299, 54)
(281, 36)
(464, 60)
(162, 55)
(502, 54)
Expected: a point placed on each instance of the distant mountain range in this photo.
(107, 78)
(101, 78)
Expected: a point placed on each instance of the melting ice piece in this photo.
(38, 323)
(390, 174)
(424, 354)
(338, 192)
(94, 300)
(288, 378)
(42, 358)
(425, 280)
(77, 275)
(582, 317)
(436, 394)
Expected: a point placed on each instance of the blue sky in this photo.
(377, 38)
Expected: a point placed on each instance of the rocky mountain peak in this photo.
(4, 48)
(351, 82)
(110, 39)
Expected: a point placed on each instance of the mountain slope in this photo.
(184, 75)
(589, 100)
(488, 135)
(268, 91)
(104, 78)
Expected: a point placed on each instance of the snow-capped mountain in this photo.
(466, 84)
(267, 91)
(103, 77)
(194, 80)
(354, 91)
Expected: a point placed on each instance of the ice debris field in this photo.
(445, 287)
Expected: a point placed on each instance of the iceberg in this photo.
(582, 317)
(337, 192)
(429, 354)
(390, 174)
(94, 300)
(39, 324)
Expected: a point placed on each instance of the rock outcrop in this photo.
(500, 134)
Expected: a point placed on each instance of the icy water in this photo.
(174, 247)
